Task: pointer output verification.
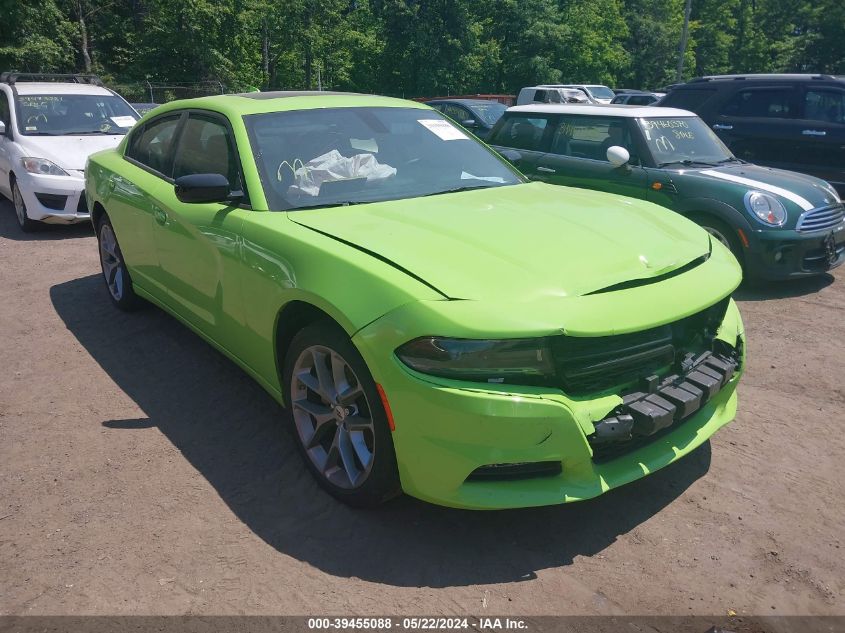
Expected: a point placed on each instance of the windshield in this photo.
(72, 114)
(489, 113)
(682, 140)
(601, 92)
(338, 156)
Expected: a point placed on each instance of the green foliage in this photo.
(417, 47)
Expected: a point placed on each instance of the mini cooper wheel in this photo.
(722, 233)
(338, 420)
(27, 225)
(118, 283)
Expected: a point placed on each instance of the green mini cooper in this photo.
(778, 224)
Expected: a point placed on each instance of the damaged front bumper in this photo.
(486, 446)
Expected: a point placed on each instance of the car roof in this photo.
(463, 101)
(765, 76)
(58, 88)
(633, 112)
(235, 105)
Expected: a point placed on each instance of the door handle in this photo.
(159, 214)
(546, 170)
(722, 126)
(814, 133)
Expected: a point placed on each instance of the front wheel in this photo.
(722, 233)
(338, 418)
(118, 282)
(27, 225)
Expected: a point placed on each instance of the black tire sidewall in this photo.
(129, 301)
(383, 481)
(28, 225)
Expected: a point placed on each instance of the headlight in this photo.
(832, 190)
(43, 167)
(521, 360)
(768, 209)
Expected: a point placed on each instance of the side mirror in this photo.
(617, 156)
(2, 128)
(198, 188)
(511, 155)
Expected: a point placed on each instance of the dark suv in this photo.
(794, 122)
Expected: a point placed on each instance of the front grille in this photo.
(590, 364)
(52, 201)
(820, 219)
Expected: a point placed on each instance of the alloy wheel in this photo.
(111, 261)
(332, 416)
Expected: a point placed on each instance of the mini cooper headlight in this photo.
(766, 208)
(43, 167)
(526, 360)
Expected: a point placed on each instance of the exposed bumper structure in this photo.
(487, 446)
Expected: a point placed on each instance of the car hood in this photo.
(68, 152)
(521, 242)
(802, 191)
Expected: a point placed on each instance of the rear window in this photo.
(688, 98)
(520, 132)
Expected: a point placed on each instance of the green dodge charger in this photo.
(431, 322)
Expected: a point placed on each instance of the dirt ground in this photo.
(142, 473)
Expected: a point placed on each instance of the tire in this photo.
(116, 277)
(345, 440)
(27, 225)
(722, 232)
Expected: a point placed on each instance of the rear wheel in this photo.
(337, 417)
(118, 282)
(27, 225)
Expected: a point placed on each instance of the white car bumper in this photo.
(54, 199)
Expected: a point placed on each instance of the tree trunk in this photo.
(83, 44)
(265, 54)
(683, 47)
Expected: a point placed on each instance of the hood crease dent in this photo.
(521, 242)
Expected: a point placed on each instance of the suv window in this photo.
(205, 147)
(521, 132)
(4, 109)
(151, 145)
(688, 99)
(767, 103)
(456, 113)
(825, 105)
(590, 137)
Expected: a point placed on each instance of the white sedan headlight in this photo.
(43, 167)
(768, 209)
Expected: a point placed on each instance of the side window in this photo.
(521, 132)
(205, 147)
(540, 96)
(4, 109)
(688, 99)
(824, 105)
(590, 137)
(152, 145)
(456, 113)
(775, 103)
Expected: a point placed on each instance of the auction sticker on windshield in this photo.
(123, 121)
(443, 129)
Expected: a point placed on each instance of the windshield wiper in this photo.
(328, 205)
(464, 188)
(730, 159)
(92, 133)
(687, 162)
